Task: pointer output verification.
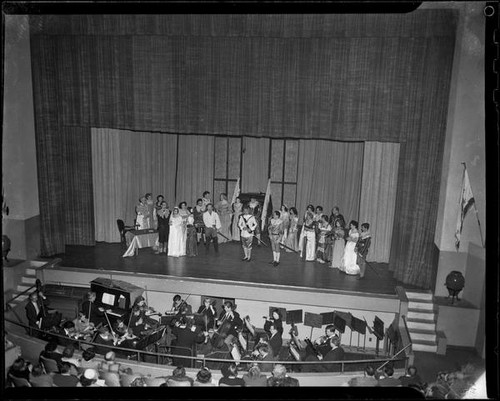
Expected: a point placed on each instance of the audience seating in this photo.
(50, 365)
(19, 381)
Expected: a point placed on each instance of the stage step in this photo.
(30, 271)
(423, 335)
(421, 304)
(414, 295)
(22, 287)
(421, 314)
(421, 324)
(424, 346)
(28, 279)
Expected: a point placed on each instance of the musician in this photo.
(361, 249)
(336, 353)
(181, 307)
(247, 224)
(92, 310)
(51, 317)
(187, 336)
(120, 327)
(82, 325)
(34, 311)
(322, 343)
(275, 319)
(208, 310)
(275, 340)
(105, 338)
(137, 321)
(212, 226)
(229, 323)
(265, 356)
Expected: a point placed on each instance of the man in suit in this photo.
(35, 313)
(336, 353)
(275, 341)
(187, 335)
(323, 343)
(265, 356)
(92, 311)
(65, 378)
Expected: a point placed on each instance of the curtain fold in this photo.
(125, 166)
(195, 170)
(255, 166)
(378, 196)
(329, 174)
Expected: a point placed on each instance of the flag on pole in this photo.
(236, 192)
(266, 204)
(466, 201)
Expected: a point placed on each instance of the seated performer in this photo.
(93, 311)
(335, 353)
(208, 311)
(323, 343)
(275, 235)
(181, 307)
(104, 338)
(247, 225)
(362, 247)
(212, 226)
(142, 211)
(229, 323)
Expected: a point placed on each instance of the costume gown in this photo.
(224, 210)
(235, 235)
(349, 259)
(177, 237)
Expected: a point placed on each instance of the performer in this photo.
(336, 216)
(208, 310)
(229, 323)
(338, 244)
(247, 224)
(275, 230)
(309, 208)
(223, 209)
(151, 209)
(256, 211)
(291, 238)
(285, 218)
(212, 226)
(34, 311)
(191, 243)
(183, 211)
(274, 319)
(324, 230)
(206, 200)
(237, 210)
(142, 211)
(177, 235)
(181, 307)
(198, 211)
(323, 343)
(309, 236)
(159, 200)
(92, 311)
(318, 214)
(163, 215)
(362, 247)
(349, 265)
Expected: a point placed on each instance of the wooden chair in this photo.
(50, 365)
(122, 228)
(19, 381)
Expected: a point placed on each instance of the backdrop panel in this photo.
(330, 175)
(378, 196)
(255, 168)
(126, 165)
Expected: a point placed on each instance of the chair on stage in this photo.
(19, 381)
(122, 228)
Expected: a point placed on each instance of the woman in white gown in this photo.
(348, 264)
(177, 236)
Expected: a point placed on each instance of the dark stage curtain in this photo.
(375, 78)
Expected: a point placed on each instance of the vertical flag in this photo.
(465, 203)
(236, 192)
(266, 204)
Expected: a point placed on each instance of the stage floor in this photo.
(227, 265)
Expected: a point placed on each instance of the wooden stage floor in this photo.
(227, 265)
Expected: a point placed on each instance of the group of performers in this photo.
(220, 334)
(322, 238)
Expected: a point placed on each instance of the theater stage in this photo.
(227, 266)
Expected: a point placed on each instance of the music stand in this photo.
(378, 331)
(294, 316)
(328, 317)
(313, 320)
(359, 326)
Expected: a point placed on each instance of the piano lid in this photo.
(120, 285)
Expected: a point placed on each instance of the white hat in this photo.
(110, 356)
(90, 374)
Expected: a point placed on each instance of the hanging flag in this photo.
(236, 192)
(465, 203)
(266, 204)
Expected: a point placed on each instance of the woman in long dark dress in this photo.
(163, 227)
(191, 242)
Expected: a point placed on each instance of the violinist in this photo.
(82, 324)
(105, 338)
(322, 343)
(229, 323)
(180, 307)
(275, 319)
(208, 310)
(120, 327)
(136, 321)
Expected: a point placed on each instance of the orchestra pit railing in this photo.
(203, 360)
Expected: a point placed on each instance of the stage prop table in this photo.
(140, 239)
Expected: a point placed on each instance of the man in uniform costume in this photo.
(247, 224)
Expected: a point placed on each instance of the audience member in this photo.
(88, 361)
(20, 368)
(68, 356)
(50, 352)
(265, 356)
(411, 377)
(368, 380)
(254, 378)
(281, 379)
(387, 380)
(128, 377)
(230, 376)
(179, 378)
(65, 378)
(203, 378)
(89, 378)
(109, 364)
(40, 379)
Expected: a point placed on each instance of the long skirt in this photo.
(291, 241)
(191, 242)
(309, 237)
(177, 241)
(349, 259)
(225, 222)
(235, 230)
(338, 252)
